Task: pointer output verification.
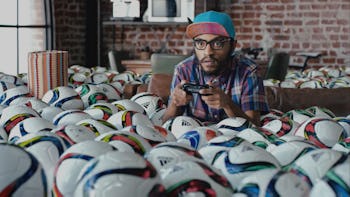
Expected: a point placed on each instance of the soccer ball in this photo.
(76, 79)
(35, 104)
(125, 141)
(3, 135)
(343, 145)
(48, 113)
(21, 173)
(126, 104)
(243, 160)
(258, 136)
(125, 77)
(336, 182)
(273, 182)
(324, 132)
(72, 161)
(96, 126)
(218, 145)
(232, 126)
(73, 134)
(63, 97)
(101, 110)
(321, 112)
(112, 93)
(149, 133)
(97, 78)
(195, 178)
(165, 133)
(345, 122)
(156, 116)
(71, 116)
(11, 95)
(11, 79)
(272, 115)
(127, 118)
(91, 94)
(14, 114)
(313, 165)
(150, 102)
(47, 147)
(5, 86)
(199, 137)
(298, 115)
(181, 124)
(288, 152)
(282, 126)
(119, 174)
(29, 125)
(167, 154)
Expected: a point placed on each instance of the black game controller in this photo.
(194, 88)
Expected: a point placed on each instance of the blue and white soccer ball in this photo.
(119, 174)
(199, 137)
(21, 173)
(63, 97)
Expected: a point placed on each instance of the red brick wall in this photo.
(70, 18)
(287, 25)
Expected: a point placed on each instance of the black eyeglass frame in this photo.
(212, 43)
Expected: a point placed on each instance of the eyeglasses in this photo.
(215, 44)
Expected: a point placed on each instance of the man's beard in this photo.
(222, 65)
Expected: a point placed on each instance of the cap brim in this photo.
(195, 29)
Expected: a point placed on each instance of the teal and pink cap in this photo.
(211, 22)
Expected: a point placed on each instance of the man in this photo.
(235, 89)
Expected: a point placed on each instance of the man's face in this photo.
(213, 53)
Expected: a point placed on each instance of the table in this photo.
(137, 66)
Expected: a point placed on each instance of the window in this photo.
(25, 26)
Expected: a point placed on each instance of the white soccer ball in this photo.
(29, 125)
(5, 86)
(72, 161)
(3, 135)
(345, 122)
(47, 147)
(73, 134)
(101, 110)
(125, 141)
(324, 132)
(181, 124)
(244, 159)
(282, 126)
(21, 173)
(165, 133)
(150, 102)
(96, 126)
(71, 116)
(258, 136)
(298, 115)
(232, 126)
(343, 145)
(97, 78)
(167, 154)
(156, 116)
(112, 93)
(321, 112)
(127, 118)
(48, 113)
(14, 114)
(91, 94)
(148, 132)
(273, 182)
(195, 178)
(217, 146)
(119, 174)
(199, 137)
(76, 79)
(11, 95)
(313, 165)
(336, 181)
(288, 152)
(126, 104)
(64, 97)
(35, 104)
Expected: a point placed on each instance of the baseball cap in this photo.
(211, 22)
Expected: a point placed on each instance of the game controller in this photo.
(194, 88)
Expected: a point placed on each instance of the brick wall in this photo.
(70, 19)
(287, 25)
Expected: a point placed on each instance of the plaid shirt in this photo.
(240, 80)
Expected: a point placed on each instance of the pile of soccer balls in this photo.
(86, 140)
(324, 77)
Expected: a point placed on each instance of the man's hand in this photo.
(214, 97)
(179, 96)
